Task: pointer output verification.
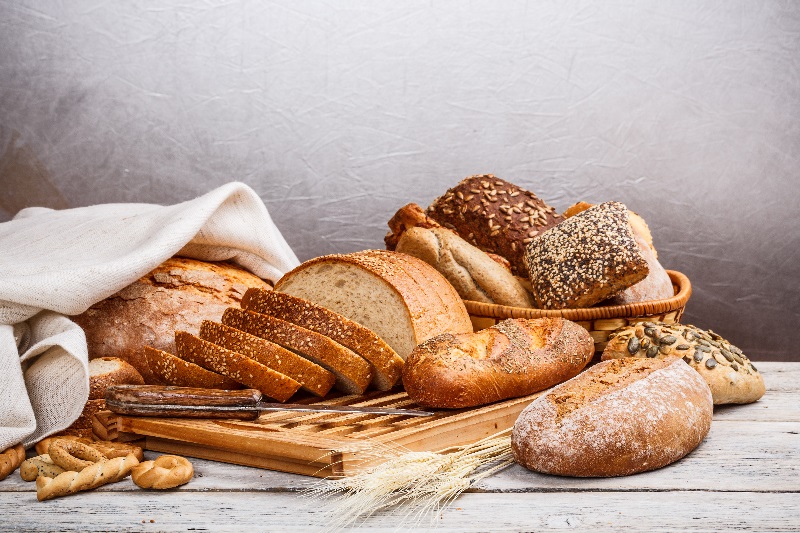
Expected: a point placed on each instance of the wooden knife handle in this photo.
(169, 395)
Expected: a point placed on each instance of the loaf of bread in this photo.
(617, 418)
(496, 216)
(728, 372)
(407, 217)
(586, 259)
(312, 377)
(402, 299)
(352, 372)
(172, 370)
(638, 225)
(178, 295)
(513, 358)
(107, 371)
(471, 271)
(236, 366)
(386, 364)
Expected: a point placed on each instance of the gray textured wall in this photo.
(338, 113)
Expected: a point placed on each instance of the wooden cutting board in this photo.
(315, 444)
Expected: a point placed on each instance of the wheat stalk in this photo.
(412, 485)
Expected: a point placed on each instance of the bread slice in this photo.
(312, 377)
(402, 299)
(235, 366)
(386, 364)
(107, 371)
(173, 370)
(353, 372)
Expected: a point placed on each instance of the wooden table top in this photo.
(744, 476)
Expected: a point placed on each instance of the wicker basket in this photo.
(599, 321)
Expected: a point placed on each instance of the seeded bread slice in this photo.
(312, 377)
(380, 290)
(353, 372)
(386, 364)
(235, 366)
(173, 370)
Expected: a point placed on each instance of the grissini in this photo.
(617, 418)
(513, 358)
(91, 477)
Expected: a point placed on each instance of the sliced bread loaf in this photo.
(353, 372)
(404, 300)
(173, 370)
(312, 377)
(235, 366)
(386, 364)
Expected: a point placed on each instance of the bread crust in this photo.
(177, 295)
(386, 364)
(236, 366)
(471, 271)
(730, 374)
(100, 380)
(173, 370)
(312, 377)
(495, 215)
(353, 373)
(617, 418)
(513, 358)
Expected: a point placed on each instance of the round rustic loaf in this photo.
(107, 371)
(618, 418)
(178, 295)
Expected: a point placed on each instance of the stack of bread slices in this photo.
(341, 321)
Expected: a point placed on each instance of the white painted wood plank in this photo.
(247, 512)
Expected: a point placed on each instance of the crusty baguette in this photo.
(386, 364)
(353, 372)
(312, 377)
(513, 358)
(173, 370)
(236, 366)
(617, 418)
(91, 477)
(474, 274)
(402, 299)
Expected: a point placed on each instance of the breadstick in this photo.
(166, 472)
(10, 460)
(91, 477)
(41, 465)
(108, 448)
(73, 455)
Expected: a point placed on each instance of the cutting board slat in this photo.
(317, 444)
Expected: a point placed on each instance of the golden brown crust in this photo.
(513, 358)
(73, 454)
(495, 215)
(41, 465)
(110, 449)
(91, 477)
(407, 217)
(165, 472)
(10, 459)
(177, 295)
(586, 259)
(173, 370)
(617, 418)
(236, 366)
(101, 376)
(312, 377)
(353, 373)
(730, 374)
(387, 365)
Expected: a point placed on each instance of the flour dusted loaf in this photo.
(513, 358)
(729, 373)
(617, 418)
(402, 299)
(586, 259)
(386, 364)
(177, 295)
(495, 215)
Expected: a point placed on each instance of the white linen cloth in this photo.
(56, 263)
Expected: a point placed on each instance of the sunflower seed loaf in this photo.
(494, 215)
(728, 372)
(586, 259)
